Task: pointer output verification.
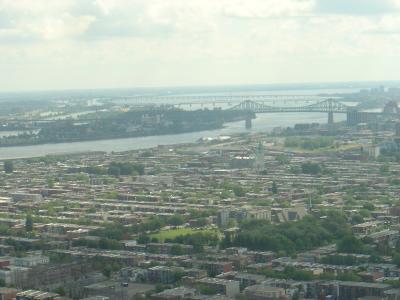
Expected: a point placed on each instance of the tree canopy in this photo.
(308, 233)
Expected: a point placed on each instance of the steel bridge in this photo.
(189, 100)
(219, 98)
(328, 106)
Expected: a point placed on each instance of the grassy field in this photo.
(173, 233)
(316, 151)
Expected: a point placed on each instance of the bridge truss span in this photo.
(325, 106)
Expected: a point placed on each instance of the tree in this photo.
(178, 274)
(300, 275)
(296, 295)
(295, 169)
(348, 276)
(369, 206)
(177, 250)
(8, 166)
(282, 159)
(327, 276)
(29, 223)
(239, 191)
(143, 239)
(350, 244)
(357, 219)
(198, 248)
(225, 194)
(50, 183)
(376, 259)
(107, 271)
(274, 188)
(384, 169)
(60, 290)
(114, 170)
(177, 220)
(206, 290)
(309, 143)
(396, 259)
(307, 233)
(311, 168)
(125, 168)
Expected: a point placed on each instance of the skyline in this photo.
(71, 44)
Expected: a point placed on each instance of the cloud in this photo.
(93, 43)
(357, 7)
(42, 20)
(267, 8)
(126, 19)
(63, 27)
(387, 25)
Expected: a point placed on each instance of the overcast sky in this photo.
(73, 44)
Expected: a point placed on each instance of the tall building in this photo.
(259, 163)
(223, 217)
(391, 108)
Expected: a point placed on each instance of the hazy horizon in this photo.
(199, 89)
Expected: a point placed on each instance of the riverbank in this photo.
(131, 124)
(34, 142)
(263, 122)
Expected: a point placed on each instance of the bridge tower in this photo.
(330, 107)
(330, 118)
(248, 122)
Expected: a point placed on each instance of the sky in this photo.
(77, 44)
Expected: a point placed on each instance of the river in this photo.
(263, 122)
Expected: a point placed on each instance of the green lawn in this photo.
(319, 150)
(173, 233)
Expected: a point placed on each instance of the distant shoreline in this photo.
(111, 137)
(168, 90)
